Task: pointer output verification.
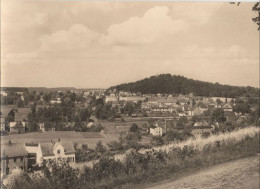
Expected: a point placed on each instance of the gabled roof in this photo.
(13, 150)
(31, 144)
(202, 127)
(68, 147)
(47, 149)
(227, 106)
(201, 124)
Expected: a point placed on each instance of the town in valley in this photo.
(39, 125)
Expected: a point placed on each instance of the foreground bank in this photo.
(145, 166)
(241, 173)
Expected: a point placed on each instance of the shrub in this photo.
(134, 128)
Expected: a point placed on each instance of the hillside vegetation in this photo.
(175, 84)
(144, 167)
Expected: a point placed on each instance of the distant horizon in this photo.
(96, 88)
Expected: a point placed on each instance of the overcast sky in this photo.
(100, 44)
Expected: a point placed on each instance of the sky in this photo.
(101, 44)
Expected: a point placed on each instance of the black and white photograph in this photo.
(130, 94)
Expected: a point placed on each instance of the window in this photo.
(15, 159)
(58, 151)
(21, 158)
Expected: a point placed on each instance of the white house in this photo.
(51, 151)
(157, 131)
(56, 101)
(3, 93)
(42, 127)
(227, 108)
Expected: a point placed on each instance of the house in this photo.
(13, 155)
(157, 131)
(3, 124)
(70, 124)
(227, 108)
(3, 93)
(134, 99)
(201, 127)
(45, 152)
(17, 127)
(93, 121)
(111, 98)
(55, 101)
(42, 127)
(33, 150)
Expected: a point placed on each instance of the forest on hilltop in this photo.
(176, 84)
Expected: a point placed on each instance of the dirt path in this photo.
(239, 174)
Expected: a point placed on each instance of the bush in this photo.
(151, 164)
(134, 128)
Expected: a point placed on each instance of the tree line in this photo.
(176, 84)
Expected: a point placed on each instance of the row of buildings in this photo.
(198, 129)
(181, 105)
(28, 155)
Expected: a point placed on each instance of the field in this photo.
(88, 138)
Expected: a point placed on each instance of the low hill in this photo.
(175, 84)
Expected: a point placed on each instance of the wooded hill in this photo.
(176, 84)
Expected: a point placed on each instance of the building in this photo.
(3, 124)
(17, 127)
(55, 101)
(42, 127)
(200, 128)
(134, 99)
(45, 152)
(13, 156)
(111, 98)
(227, 108)
(157, 131)
(33, 150)
(3, 93)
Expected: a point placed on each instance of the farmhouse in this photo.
(44, 152)
(13, 156)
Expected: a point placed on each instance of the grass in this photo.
(200, 143)
(160, 163)
(190, 155)
(88, 138)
